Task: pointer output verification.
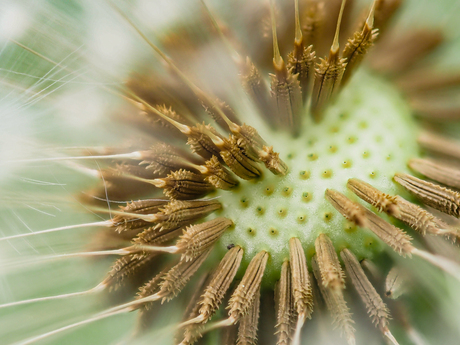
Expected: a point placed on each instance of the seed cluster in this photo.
(275, 204)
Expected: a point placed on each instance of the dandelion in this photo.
(267, 178)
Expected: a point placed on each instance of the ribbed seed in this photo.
(358, 46)
(414, 216)
(287, 99)
(152, 286)
(126, 267)
(236, 159)
(442, 173)
(177, 277)
(391, 235)
(284, 304)
(439, 144)
(141, 207)
(336, 305)
(331, 272)
(178, 213)
(301, 285)
(200, 143)
(183, 185)
(272, 161)
(243, 296)
(440, 198)
(162, 159)
(383, 202)
(152, 235)
(346, 207)
(198, 238)
(247, 330)
(218, 175)
(257, 89)
(303, 67)
(193, 332)
(328, 76)
(376, 308)
(220, 282)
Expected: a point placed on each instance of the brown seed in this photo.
(439, 144)
(193, 332)
(272, 161)
(217, 175)
(183, 185)
(391, 235)
(301, 286)
(219, 284)
(125, 268)
(384, 11)
(336, 305)
(358, 46)
(243, 297)
(257, 89)
(285, 89)
(350, 210)
(303, 66)
(198, 238)
(142, 207)
(331, 272)
(376, 308)
(440, 198)
(404, 50)
(328, 75)
(383, 202)
(178, 213)
(247, 330)
(235, 158)
(177, 277)
(284, 304)
(200, 143)
(162, 159)
(437, 171)
(414, 216)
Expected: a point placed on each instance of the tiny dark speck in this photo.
(230, 246)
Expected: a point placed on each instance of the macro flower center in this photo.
(368, 134)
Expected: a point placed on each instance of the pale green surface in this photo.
(368, 134)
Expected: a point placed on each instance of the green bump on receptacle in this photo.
(270, 210)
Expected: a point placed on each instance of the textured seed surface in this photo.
(271, 209)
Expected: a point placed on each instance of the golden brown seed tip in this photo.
(383, 202)
(346, 207)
